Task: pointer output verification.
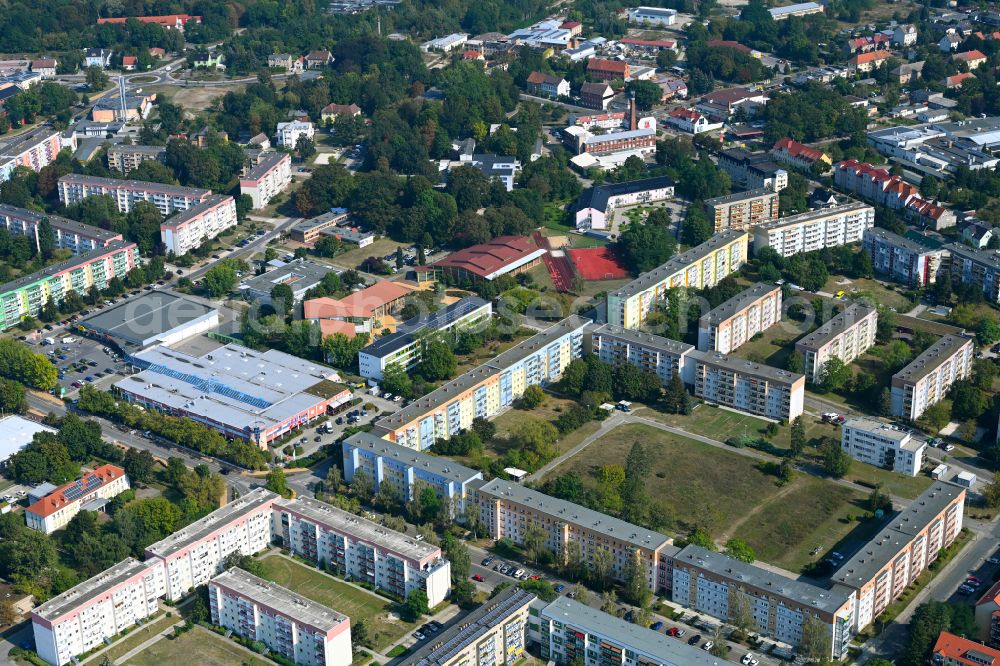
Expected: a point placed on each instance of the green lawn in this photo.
(891, 296)
(201, 645)
(710, 421)
(359, 605)
(774, 345)
(135, 638)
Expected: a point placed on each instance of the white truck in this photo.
(49, 341)
(68, 341)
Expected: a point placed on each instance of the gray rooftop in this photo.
(895, 240)
(886, 430)
(442, 467)
(63, 266)
(678, 263)
(146, 186)
(208, 203)
(360, 528)
(443, 648)
(989, 258)
(739, 196)
(266, 162)
(745, 367)
(299, 275)
(152, 313)
(321, 220)
(859, 569)
(137, 150)
(932, 357)
(495, 366)
(22, 142)
(407, 332)
(57, 222)
(831, 329)
(200, 529)
(818, 214)
(652, 646)
(563, 511)
(765, 580)
(637, 337)
(90, 589)
(738, 303)
(282, 600)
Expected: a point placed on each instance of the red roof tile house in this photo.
(548, 85)
(487, 261)
(360, 310)
(988, 615)
(973, 58)
(876, 184)
(866, 62)
(55, 510)
(798, 154)
(574, 27)
(952, 650)
(608, 70)
(689, 120)
(956, 80)
(129, 63)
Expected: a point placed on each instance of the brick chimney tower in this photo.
(631, 106)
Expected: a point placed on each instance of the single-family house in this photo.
(317, 59)
(904, 35)
(45, 66)
(689, 120)
(129, 63)
(330, 112)
(973, 58)
(908, 72)
(977, 234)
(956, 80)
(867, 62)
(548, 85)
(208, 60)
(157, 52)
(950, 42)
(97, 58)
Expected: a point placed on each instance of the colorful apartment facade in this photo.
(746, 386)
(75, 187)
(735, 322)
(34, 150)
(699, 267)
(902, 259)
(654, 353)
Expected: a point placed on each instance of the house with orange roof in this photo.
(973, 58)
(361, 310)
(473, 55)
(129, 63)
(988, 615)
(952, 650)
(90, 492)
(866, 62)
(957, 80)
(798, 154)
(877, 185)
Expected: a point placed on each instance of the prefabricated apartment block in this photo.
(75, 187)
(189, 228)
(748, 386)
(846, 336)
(699, 267)
(663, 356)
(883, 445)
(815, 229)
(902, 259)
(66, 233)
(742, 210)
(729, 326)
(928, 377)
(266, 178)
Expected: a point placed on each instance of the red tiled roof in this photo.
(970, 56)
(569, 25)
(43, 63)
(796, 149)
(728, 44)
(329, 327)
(597, 64)
(958, 79)
(156, 51)
(958, 649)
(360, 304)
(129, 60)
(686, 114)
(488, 258)
(992, 595)
(472, 54)
(58, 498)
(337, 109)
(864, 58)
(169, 19)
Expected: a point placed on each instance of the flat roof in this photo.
(208, 203)
(678, 263)
(816, 214)
(902, 436)
(22, 142)
(663, 649)
(114, 183)
(57, 222)
(267, 161)
(831, 329)
(200, 529)
(16, 432)
(321, 220)
(90, 589)
(790, 9)
(137, 149)
(407, 332)
(359, 528)
(766, 580)
(738, 303)
(984, 257)
(895, 240)
(445, 468)
(875, 554)
(598, 196)
(932, 357)
(280, 599)
(151, 314)
(740, 196)
(743, 366)
(439, 650)
(638, 337)
(300, 275)
(63, 266)
(569, 512)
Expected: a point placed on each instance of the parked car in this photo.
(994, 560)
(487, 561)
(708, 645)
(748, 660)
(656, 626)
(694, 640)
(675, 631)
(559, 588)
(419, 636)
(478, 578)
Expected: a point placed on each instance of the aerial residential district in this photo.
(484, 333)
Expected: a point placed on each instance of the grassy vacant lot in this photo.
(508, 421)
(209, 647)
(194, 98)
(135, 638)
(380, 248)
(774, 345)
(728, 494)
(881, 293)
(325, 589)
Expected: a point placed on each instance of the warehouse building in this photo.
(154, 317)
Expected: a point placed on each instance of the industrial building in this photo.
(928, 378)
(154, 317)
(727, 327)
(246, 394)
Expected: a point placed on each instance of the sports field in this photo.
(200, 645)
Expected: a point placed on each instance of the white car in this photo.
(387, 396)
(397, 398)
(948, 448)
(518, 573)
(747, 659)
(708, 645)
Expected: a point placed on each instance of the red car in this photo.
(478, 578)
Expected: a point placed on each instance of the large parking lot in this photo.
(80, 361)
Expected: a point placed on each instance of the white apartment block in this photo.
(902, 259)
(883, 445)
(847, 336)
(406, 471)
(727, 327)
(707, 581)
(88, 493)
(747, 386)
(815, 229)
(361, 549)
(289, 133)
(699, 267)
(188, 229)
(881, 571)
(68, 234)
(74, 188)
(486, 390)
(267, 178)
(494, 634)
(928, 378)
(126, 158)
(662, 356)
(509, 510)
(193, 555)
(85, 616)
(299, 629)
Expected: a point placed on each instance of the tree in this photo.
(533, 397)
(282, 299)
(484, 428)
(740, 610)
(458, 554)
(991, 493)
(696, 228)
(276, 482)
(362, 484)
(438, 361)
(636, 581)
(220, 279)
(12, 396)
(644, 247)
(796, 362)
(738, 549)
(834, 375)
(836, 462)
(677, 400)
(815, 643)
(415, 606)
(534, 542)
(96, 78)
(395, 380)
(139, 465)
(634, 383)
(928, 621)
(798, 437)
(8, 613)
(647, 93)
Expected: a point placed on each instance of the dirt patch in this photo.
(194, 98)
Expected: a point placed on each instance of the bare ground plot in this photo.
(193, 98)
(890, 296)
